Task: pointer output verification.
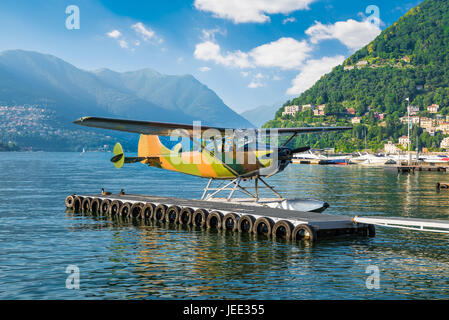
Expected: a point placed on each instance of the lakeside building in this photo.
(431, 131)
(443, 127)
(404, 141)
(308, 107)
(356, 120)
(319, 111)
(290, 110)
(414, 119)
(413, 110)
(445, 143)
(391, 148)
(433, 108)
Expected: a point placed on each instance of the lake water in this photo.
(38, 240)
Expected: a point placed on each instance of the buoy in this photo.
(185, 216)
(246, 223)
(136, 210)
(214, 220)
(263, 226)
(85, 205)
(159, 212)
(230, 222)
(304, 232)
(114, 208)
(172, 214)
(77, 202)
(125, 209)
(104, 208)
(95, 205)
(148, 210)
(283, 230)
(200, 217)
(69, 201)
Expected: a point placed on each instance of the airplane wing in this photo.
(167, 129)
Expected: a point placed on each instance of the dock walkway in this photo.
(242, 217)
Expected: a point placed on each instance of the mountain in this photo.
(179, 94)
(260, 115)
(408, 59)
(54, 93)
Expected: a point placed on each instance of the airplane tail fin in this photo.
(119, 157)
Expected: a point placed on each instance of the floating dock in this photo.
(238, 217)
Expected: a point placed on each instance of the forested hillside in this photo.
(408, 59)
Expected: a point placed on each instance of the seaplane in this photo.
(229, 157)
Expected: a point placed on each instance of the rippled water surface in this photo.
(38, 240)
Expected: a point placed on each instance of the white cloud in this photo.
(245, 74)
(242, 11)
(210, 51)
(312, 72)
(353, 34)
(255, 84)
(287, 20)
(114, 34)
(123, 44)
(204, 69)
(209, 34)
(146, 33)
(285, 53)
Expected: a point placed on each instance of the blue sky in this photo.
(250, 52)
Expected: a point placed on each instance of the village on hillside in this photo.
(431, 122)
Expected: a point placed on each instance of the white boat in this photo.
(309, 155)
(372, 160)
(436, 159)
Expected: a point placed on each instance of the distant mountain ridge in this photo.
(260, 115)
(32, 78)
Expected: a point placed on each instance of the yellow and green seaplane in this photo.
(223, 155)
